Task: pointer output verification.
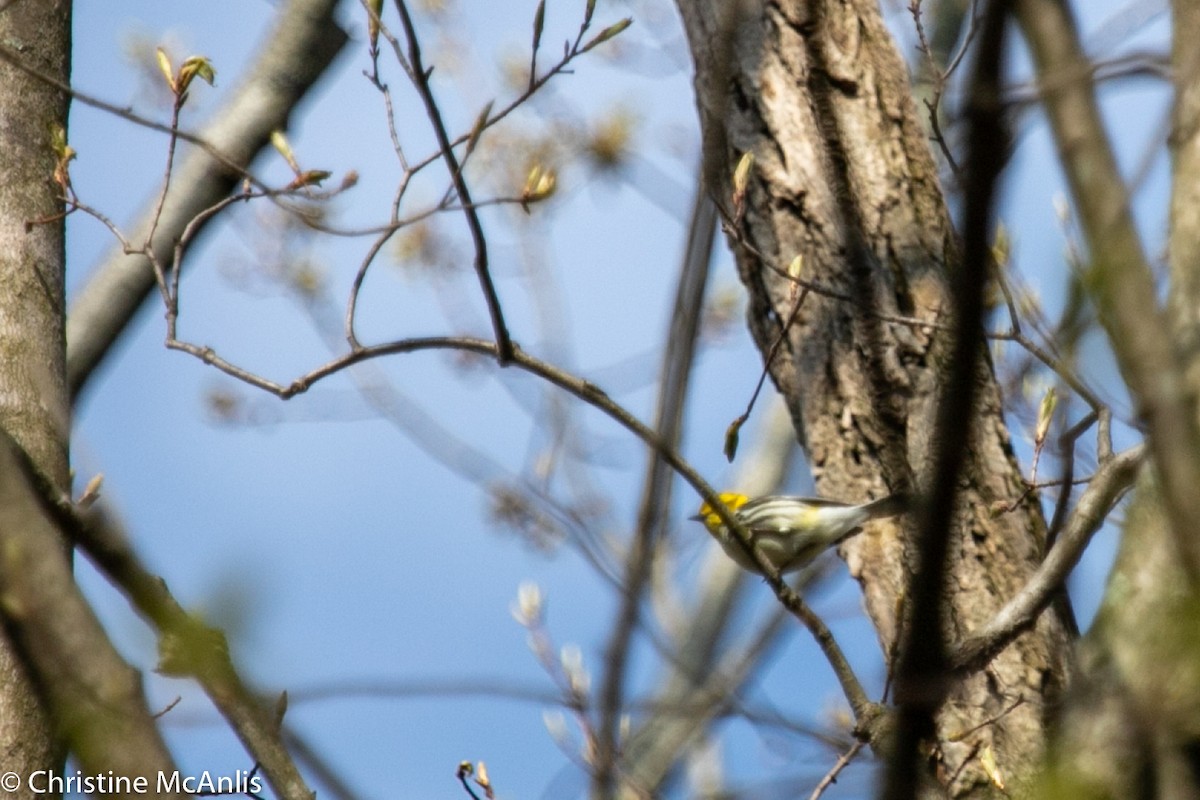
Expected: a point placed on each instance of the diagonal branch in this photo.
(189, 648)
(94, 697)
(1022, 611)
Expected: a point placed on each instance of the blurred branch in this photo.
(654, 511)
(695, 678)
(296, 52)
(94, 697)
(190, 648)
(921, 674)
(1121, 280)
(1150, 64)
(1183, 244)
(512, 499)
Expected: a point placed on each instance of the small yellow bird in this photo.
(792, 531)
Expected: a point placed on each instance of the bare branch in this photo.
(301, 45)
(421, 79)
(1022, 611)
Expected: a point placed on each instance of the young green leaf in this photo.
(608, 33)
(480, 125)
(164, 66)
(193, 67)
(1045, 415)
(280, 142)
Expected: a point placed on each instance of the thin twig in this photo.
(172, 141)
(504, 343)
(831, 777)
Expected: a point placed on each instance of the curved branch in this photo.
(865, 711)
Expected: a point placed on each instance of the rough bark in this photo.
(33, 399)
(844, 178)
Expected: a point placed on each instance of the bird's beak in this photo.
(696, 517)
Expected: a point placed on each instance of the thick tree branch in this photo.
(94, 697)
(189, 648)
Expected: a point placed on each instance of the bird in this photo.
(792, 531)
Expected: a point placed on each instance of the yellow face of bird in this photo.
(711, 519)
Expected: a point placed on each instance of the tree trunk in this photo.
(33, 398)
(844, 179)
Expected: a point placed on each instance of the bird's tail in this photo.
(889, 506)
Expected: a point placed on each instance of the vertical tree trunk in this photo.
(845, 180)
(33, 399)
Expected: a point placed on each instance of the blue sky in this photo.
(336, 549)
